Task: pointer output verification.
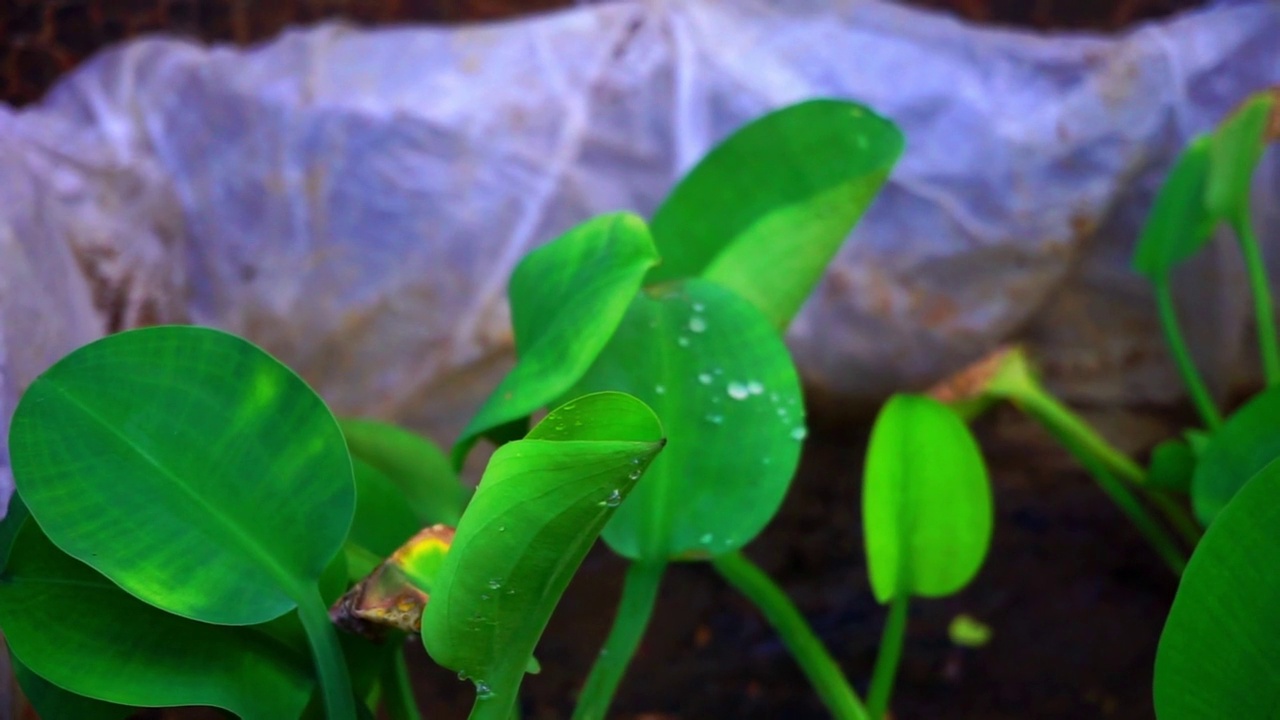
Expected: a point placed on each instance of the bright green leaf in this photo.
(1245, 443)
(1235, 149)
(538, 509)
(74, 628)
(1217, 656)
(567, 297)
(765, 211)
(189, 467)
(1179, 223)
(721, 380)
(926, 502)
(414, 465)
(1173, 464)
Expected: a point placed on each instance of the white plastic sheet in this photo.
(354, 201)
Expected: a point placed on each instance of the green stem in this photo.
(1176, 514)
(335, 683)
(399, 690)
(822, 670)
(1263, 306)
(1182, 356)
(639, 592)
(895, 633)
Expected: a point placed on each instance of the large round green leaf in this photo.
(765, 211)
(1245, 444)
(72, 627)
(189, 467)
(722, 382)
(538, 509)
(1218, 656)
(566, 299)
(926, 501)
(51, 701)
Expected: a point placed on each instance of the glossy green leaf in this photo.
(926, 502)
(413, 464)
(189, 467)
(1173, 464)
(1235, 149)
(567, 297)
(765, 211)
(1217, 656)
(51, 701)
(383, 519)
(74, 628)
(1245, 443)
(1179, 223)
(721, 380)
(538, 509)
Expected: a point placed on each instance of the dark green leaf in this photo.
(383, 519)
(766, 210)
(1245, 443)
(538, 509)
(51, 701)
(14, 517)
(1179, 223)
(567, 298)
(414, 465)
(926, 501)
(1172, 466)
(1234, 151)
(190, 468)
(72, 627)
(1218, 657)
(722, 382)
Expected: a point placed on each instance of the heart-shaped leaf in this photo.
(1217, 656)
(538, 509)
(1179, 223)
(722, 382)
(72, 627)
(566, 299)
(1235, 149)
(926, 501)
(1245, 444)
(189, 467)
(414, 465)
(765, 211)
(1173, 464)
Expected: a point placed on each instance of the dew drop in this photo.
(699, 307)
(704, 378)
(483, 691)
(715, 419)
(799, 432)
(755, 388)
(634, 475)
(462, 675)
(502, 528)
(682, 341)
(495, 583)
(697, 324)
(660, 389)
(484, 597)
(706, 539)
(738, 391)
(615, 497)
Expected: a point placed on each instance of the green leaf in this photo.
(926, 502)
(383, 520)
(1245, 443)
(538, 509)
(1179, 223)
(71, 626)
(765, 211)
(14, 517)
(189, 467)
(413, 464)
(722, 382)
(1173, 464)
(51, 701)
(1217, 656)
(1235, 149)
(567, 297)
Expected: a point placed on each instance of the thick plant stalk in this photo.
(335, 683)
(1263, 305)
(818, 665)
(891, 642)
(639, 592)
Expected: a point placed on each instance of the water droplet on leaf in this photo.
(737, 391)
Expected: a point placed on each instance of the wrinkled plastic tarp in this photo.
(354, 201)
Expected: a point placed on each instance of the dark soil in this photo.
(1074, 596)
